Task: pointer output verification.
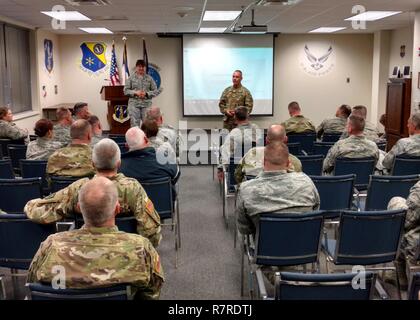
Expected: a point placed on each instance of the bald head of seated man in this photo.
(98, 255)
(252, 163)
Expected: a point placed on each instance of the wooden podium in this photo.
(117, 108)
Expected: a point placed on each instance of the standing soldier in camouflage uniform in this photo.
(407, 146)
(335, 125)
(297, 123)
(132, 197)
(274, 190)
(371, 132)
(411, 240)
(140, 88)
(355, 146)
(44, 145)
(232, 97)
(76, 159)
(8, 129)
(253, 161)
(62, 127)
(98, 255)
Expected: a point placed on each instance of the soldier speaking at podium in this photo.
(232, 97)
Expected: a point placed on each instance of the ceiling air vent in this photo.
(88, 2)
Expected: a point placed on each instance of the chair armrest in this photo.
(261, 285)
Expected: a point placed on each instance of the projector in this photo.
(252, 29)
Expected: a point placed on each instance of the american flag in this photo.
(114, 73)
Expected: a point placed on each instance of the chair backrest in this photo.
(406, 165)
(369, 237)
(231, 180)
(312, 164)
(33, 169)
(306, 141)
(126, 223)
(322, 147)
(61, 182)
(16, 153)
(6, 170)
(33, 137)
(286, 239)
(123, 147)
(46, 292)
(294, 148)
(414, 287)
(20, 239)
(339, 286)
(5, 142)
(331, 137)
(160, 192)
(118, 138)
(361, 167)
(15, 193)
(381, 145)
(382, 188)
(335, 192)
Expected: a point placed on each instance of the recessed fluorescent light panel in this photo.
(212, 30)
(373, 15)
(327, 30)
(96, 30)
(66, 15)
(220, 15)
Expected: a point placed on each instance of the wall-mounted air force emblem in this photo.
(93, 58)
(120, 114)
(317, 60)
(48, 55)
(153, 71)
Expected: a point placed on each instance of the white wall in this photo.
(415, 94)
(399, 37)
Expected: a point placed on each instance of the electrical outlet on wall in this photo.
(56, 89)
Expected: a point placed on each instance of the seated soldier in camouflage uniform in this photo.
(132, 197)
(96, 130)
(44, 145)
(274, 190)
(151, 129)
(62, 127)
(370, 131)
(81, 111)
(410, 242)
(297, 123)
(8, 129)
(335, 125)
(355, 146)
(76, 159)
(253, 161)
(98, 255)
(166, 132)
(406, 146)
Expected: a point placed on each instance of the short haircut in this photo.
(293, 106)
(42, 127)
(345, 110)
(357, 122)
(360, 111)
(80, 129)
(276, 153)
(276, 132)
(415, 120)
(239, 71)
(241, 113)
(150, 128)
(97, 199)
(382, 119)
(78, 107)
(93, 120)
(61, 113)
(153, 113)
(140, 63)
(135, 138)
(3, 112)
(106, 154)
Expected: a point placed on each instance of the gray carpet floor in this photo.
(208, 264)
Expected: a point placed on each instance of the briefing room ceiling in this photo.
(185, 16)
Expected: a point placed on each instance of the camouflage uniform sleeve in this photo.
(239, 174)
(16, 133)
(412, 219)
(329, 160)
(320, 130)
(152, 291)
(38, 261)
(148, 220)
(245, 224)
(389, 158)
(56, 206)
(223, 101)
(128, 90)
(153, 90)
(249, 101)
